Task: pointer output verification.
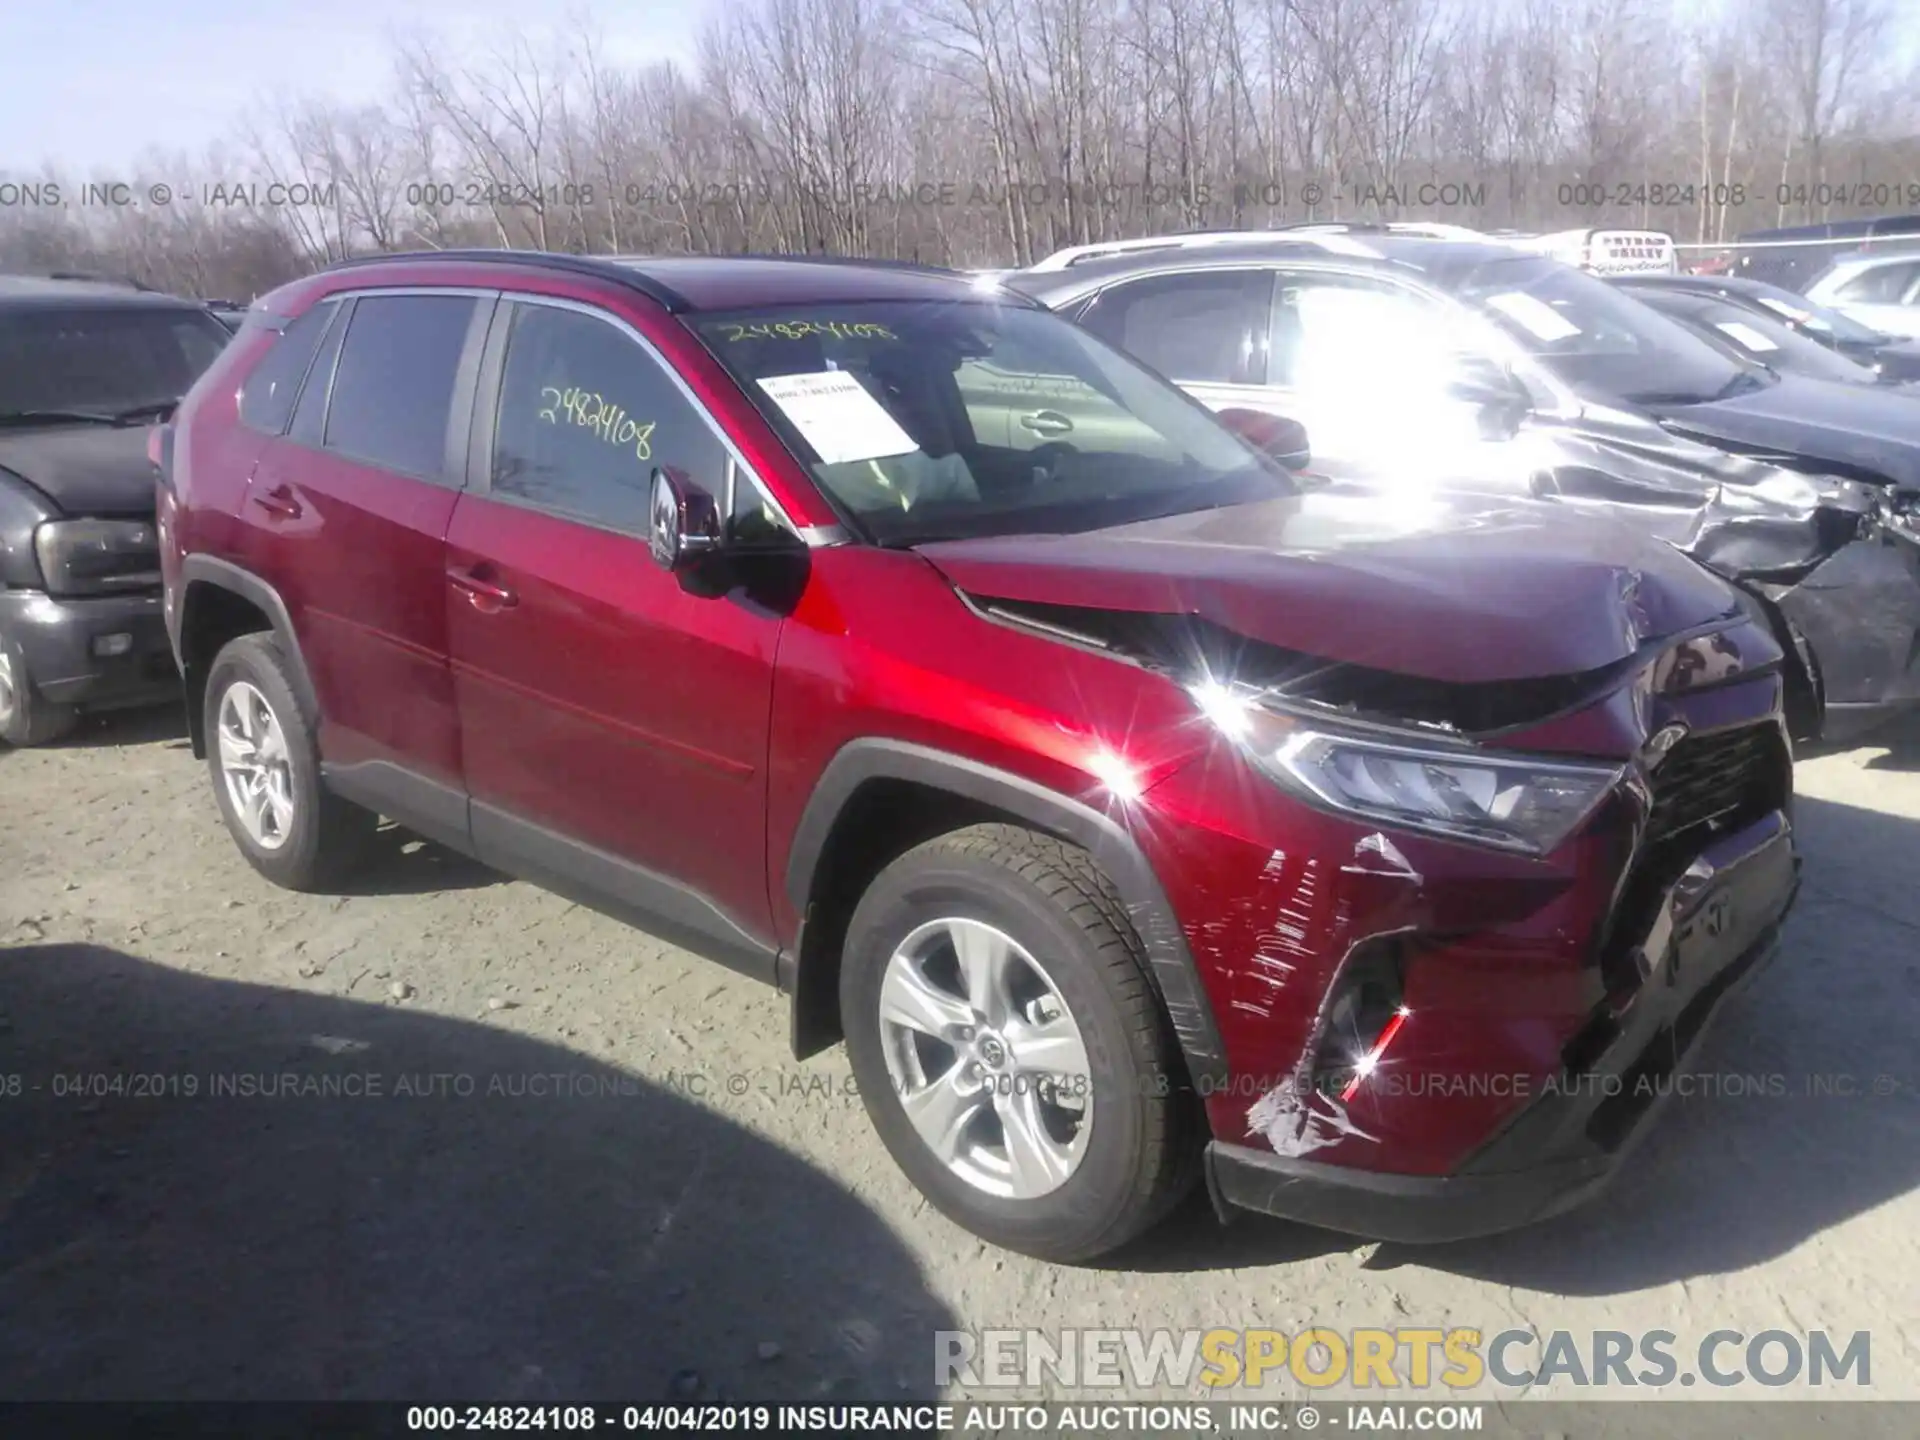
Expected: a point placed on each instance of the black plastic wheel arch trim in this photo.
(1170, 961)
(223, 575)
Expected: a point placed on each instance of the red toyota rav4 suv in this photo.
(1130, 811)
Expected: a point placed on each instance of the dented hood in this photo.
(1858, 430)
(1468, 590)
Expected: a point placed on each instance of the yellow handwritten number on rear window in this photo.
(591, 410)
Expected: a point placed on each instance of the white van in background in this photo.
(1607, 252)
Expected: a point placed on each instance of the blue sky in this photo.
(91, 84)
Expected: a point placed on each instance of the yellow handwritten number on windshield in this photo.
(801, 329)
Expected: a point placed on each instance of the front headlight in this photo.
(97, 557)
(1512, 802)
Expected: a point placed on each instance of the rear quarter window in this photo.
(267, 396)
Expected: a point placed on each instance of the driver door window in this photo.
(584, 417)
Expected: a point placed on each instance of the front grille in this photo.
(1711, 777)
(1705, 784)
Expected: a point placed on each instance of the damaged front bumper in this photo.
(1858, 612)
(1711, 932)
(1836, 557)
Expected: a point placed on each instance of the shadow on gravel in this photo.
(401, 863)
(1192, 1239)
(1901, 744)
(562, 1232)
(147, 725)
(1735, 1179)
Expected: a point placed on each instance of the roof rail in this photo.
(93, 277)
(621, 272)
(1423, 229)
(1198, 239)
(862, 261)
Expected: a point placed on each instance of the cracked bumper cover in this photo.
(1717, 929)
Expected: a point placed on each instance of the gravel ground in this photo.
(555, 1158)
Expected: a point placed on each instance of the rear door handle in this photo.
(279, 501)
(484, 593)
(1047, 422)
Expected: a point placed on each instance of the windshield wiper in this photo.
(152, 410)
(57, 417)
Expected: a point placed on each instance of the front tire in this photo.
(1010, 1048)
(26, 717)
(266, 773)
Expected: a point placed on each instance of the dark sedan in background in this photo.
(86, 367)
(1894, 360)
(1757, 339)
(1421, 364)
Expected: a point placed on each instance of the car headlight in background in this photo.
(1509, 801)
(97, 557)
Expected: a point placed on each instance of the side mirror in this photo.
(1494, 390)
(684, 528)
(1275, 436)
(1483, 381)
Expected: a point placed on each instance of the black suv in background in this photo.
(85, 368)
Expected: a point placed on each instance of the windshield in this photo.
(1775, 345)
(934, 420)
(1596, 338)
(1803, 314)
(102, 361)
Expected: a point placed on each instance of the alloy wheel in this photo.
(8, 697)
(255, 765)
(986, 1058)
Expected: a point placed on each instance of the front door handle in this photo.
(279, 501)
(484, 593)
(1047, 422)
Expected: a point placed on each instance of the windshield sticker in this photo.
(1539, 319)
(1792, 312)
(591, 411)
(836, 416)
(804, 329)
(1745, 336)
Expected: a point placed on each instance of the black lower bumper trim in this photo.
(1419, 1209)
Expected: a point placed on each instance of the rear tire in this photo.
(26, 717)
(266, 773)
(1052, 1120)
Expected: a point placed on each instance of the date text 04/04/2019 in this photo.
(649, 1419)
(925, 1419)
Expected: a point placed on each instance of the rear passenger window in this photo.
(1204, 327)
(586, 415)
(393, 386)
(266, 399)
